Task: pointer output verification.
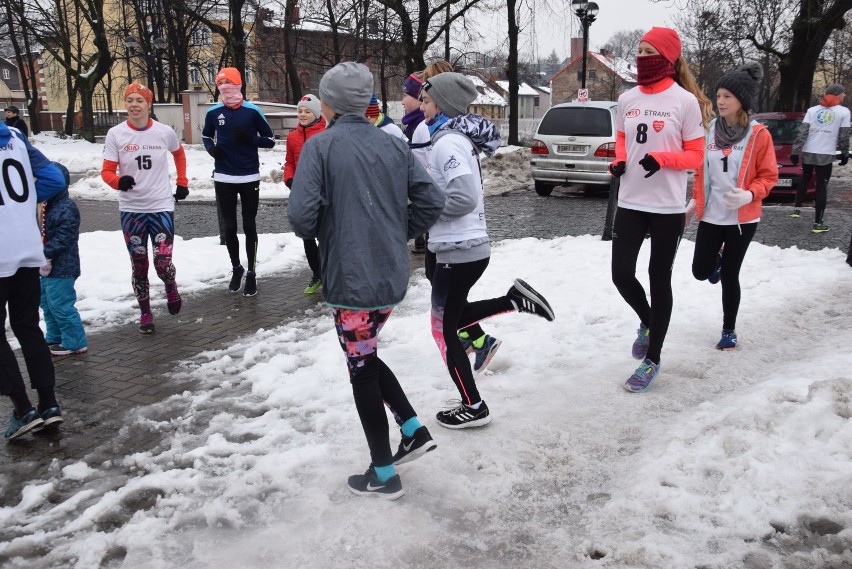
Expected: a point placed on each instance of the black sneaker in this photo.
(528, 300)
(251, 284)
(52, 417)
(236, 279)
(18, 427)
(368, 484)
(414, 446)
(463, 417)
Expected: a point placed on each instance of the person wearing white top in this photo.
(824, 129)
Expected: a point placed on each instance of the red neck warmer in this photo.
(830, 101)
(652, 68)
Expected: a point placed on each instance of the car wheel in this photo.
(543, 189)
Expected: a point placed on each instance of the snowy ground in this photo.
(737, 459)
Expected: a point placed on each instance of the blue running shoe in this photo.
(716, 275)
(642, 378)
(728, 340)
(18, 427)
(485, 354)
(640, 346)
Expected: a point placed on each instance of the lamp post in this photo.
(131, 44)
(587, 12)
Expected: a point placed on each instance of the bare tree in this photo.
(623, 43)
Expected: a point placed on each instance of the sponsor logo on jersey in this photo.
(653, 113)
(712, 147)
(131, 147)
(632, 113)
(451, 163)
(151, 147)
(825, 116)
(658, 125)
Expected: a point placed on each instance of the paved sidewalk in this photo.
(124, 369)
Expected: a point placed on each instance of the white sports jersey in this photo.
(453, 156)
(825, 123)
(419, 139)
(19, 230)
(658, 122)
(143, 154)
(722, 167)
(394, 130)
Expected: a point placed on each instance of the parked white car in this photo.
(574, 144)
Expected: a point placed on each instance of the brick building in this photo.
(607, 76)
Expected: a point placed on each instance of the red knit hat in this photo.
(373, 109)
(142, 90)
(232, 74)
(666, 41)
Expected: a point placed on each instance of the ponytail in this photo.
(684, 78)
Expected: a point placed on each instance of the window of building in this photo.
(211, 72)
(249, 75)
(537, 101)
(202, 36)
(6, 74)
(592, 73)
(194, 74)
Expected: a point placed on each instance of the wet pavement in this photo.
(124, 370)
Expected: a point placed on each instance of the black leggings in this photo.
(226, 198)
(823, 175)
(628, 234)
(451, 312)
(313, 256)
(474, 331)
(736, 239)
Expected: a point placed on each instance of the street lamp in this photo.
(587, 12)
(131, 44)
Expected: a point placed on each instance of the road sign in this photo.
(582, 95)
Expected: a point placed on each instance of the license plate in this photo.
(570, 148)
(785, 182)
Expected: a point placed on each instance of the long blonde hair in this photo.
(684, 78)
(437, 67)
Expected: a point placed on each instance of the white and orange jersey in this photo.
(656, 122)
(143, 154)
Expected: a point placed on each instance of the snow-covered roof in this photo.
(621, 67)
(523, 89)
(487, 95)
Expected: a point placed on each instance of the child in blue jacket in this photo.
(61, 227)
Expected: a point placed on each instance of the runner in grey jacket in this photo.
(351, 191)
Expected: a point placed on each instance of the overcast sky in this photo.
(555, 30)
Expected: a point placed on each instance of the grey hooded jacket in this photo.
(351, 191)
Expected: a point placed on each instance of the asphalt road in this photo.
(521, 213)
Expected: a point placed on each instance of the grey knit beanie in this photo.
(312, 103)
(452, 92)
(835, 89)
(347, 88)
(744, 83)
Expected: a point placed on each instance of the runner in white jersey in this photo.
(660, 134)
(824, 129)
(28, 177)
(738, 172)
(136, 163)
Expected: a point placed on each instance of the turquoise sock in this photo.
(384, 473)
(410, 426)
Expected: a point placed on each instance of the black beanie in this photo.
(743, 83)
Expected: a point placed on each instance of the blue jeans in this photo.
(60, 315)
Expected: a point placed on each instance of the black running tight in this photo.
(823, 174)
(628, 234)
(736, 239)
(226, 198)
(451, 312)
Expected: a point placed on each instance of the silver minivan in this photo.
(574, 144)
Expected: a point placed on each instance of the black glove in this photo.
(125, 183)
(289, 183)
(181, 192)
(650, 164)
(844, 158)
(242, 136)
(794, 159)
(617, 169)
(217, 153)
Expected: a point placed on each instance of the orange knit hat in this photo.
(142, 90)
(230, 73)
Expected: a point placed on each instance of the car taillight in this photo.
(606, 150)
(538, 147)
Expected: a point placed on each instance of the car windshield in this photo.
(783, 131)
(577, 121)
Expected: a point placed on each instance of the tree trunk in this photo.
(810, 32)
(292, 71)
